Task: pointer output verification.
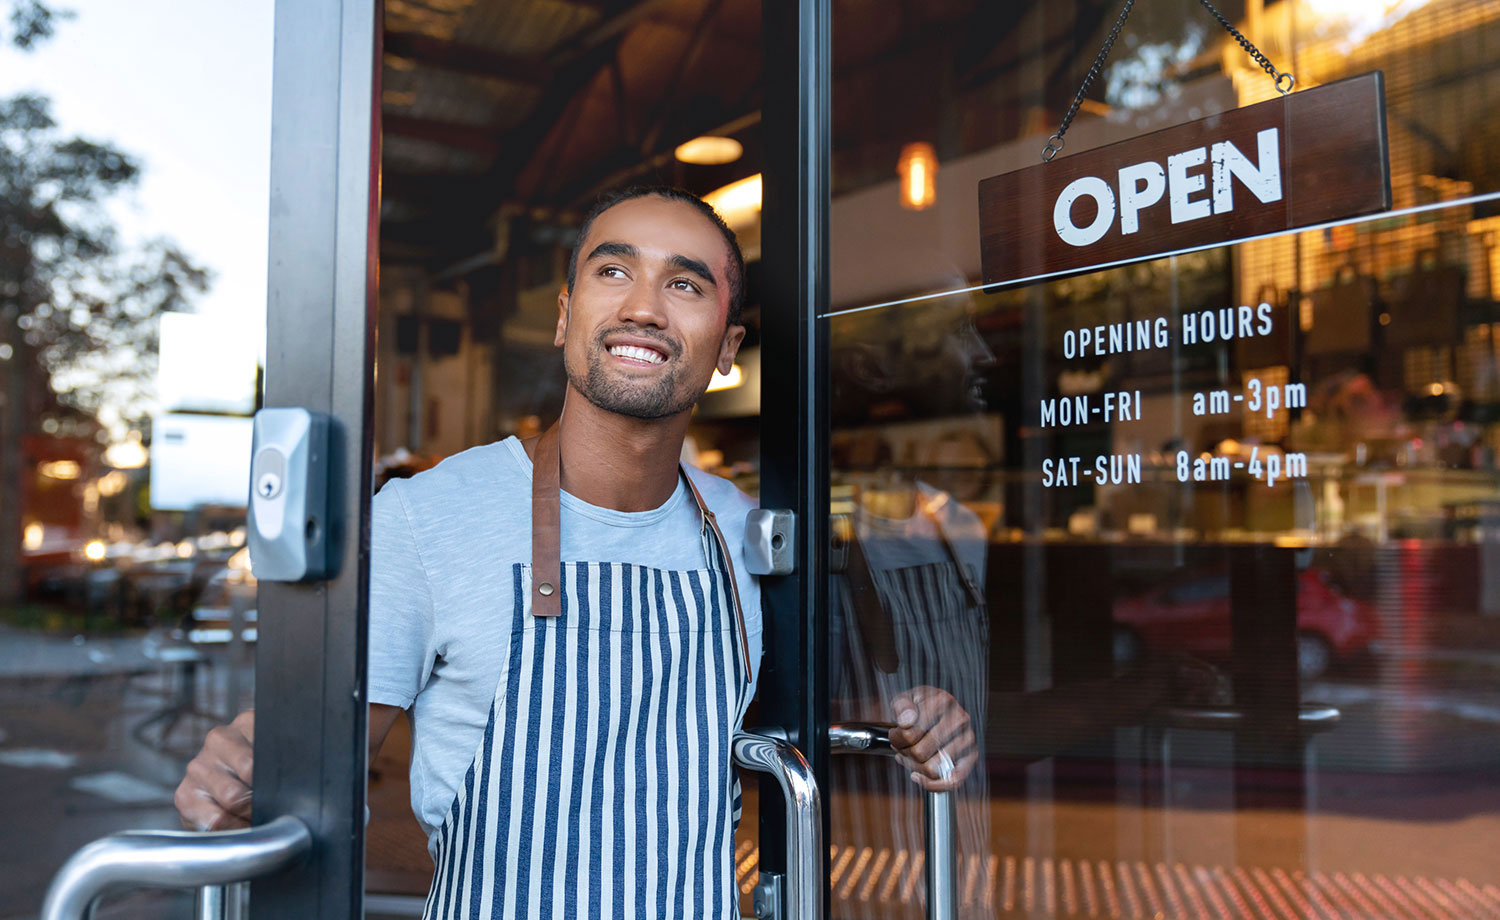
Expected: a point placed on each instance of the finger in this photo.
(931, 767)
(963, 745)
(244, 723)
(228, 746)
(905, 710)
(215, 783)
(200, 812)
(932, 705)
(218, 785)
(917, 711)
(960, 772)
(953, 723)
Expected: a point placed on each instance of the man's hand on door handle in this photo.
(214, 795)
(933, 738)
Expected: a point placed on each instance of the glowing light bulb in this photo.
(918, 167)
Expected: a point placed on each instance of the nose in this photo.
(642, 305)
(979, 350)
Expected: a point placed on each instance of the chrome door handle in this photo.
(940, 816)
(804, 818)
(172, 859)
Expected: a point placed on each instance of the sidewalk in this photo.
(70, 769)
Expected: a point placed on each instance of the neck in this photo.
(614, 461)
(890, 496)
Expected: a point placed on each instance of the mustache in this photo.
(668, 345)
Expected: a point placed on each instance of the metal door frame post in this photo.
(310, 732)
(793, 692)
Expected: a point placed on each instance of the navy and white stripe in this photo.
(603, 784)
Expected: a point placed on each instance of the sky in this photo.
(185, 87)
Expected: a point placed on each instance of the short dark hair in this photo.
(736, 277)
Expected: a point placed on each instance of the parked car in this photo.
(1192, 615)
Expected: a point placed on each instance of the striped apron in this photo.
(603, 785)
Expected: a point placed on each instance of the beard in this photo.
(648, 399)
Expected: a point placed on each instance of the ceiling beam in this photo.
(574, 65)
(475, 138)
(578, 63)
(685, 64)
(425, 189)
(461, 57)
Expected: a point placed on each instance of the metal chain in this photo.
(1055, 142)
(1254, 52)
(1284, 81)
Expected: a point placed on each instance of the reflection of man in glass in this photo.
(908, 609)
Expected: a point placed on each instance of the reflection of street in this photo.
(71, 769)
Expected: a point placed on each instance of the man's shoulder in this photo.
(460, 482)
(724, 499)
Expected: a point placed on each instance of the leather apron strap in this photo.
(712, 522)
(546, 537)
(546, 525)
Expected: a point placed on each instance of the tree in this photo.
(78, 309)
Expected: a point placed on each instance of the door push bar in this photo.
(939, 816)
(804, 828)
(176, 859)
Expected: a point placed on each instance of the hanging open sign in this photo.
(1307, 158)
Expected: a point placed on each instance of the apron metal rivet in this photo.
(546, 589)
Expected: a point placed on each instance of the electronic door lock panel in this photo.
(771, 541)
(289, 518)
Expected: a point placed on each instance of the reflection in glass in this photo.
(907, 566)
(1239, 591)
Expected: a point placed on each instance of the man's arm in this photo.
(215, 793)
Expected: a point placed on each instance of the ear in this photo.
(563, 297)
(730, 347)
(862, 364)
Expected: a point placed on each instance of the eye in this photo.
(683, 284)
(612, 271)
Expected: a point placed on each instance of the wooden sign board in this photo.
(1307, 158)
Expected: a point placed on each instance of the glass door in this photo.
(1220, 610)
(135, 350)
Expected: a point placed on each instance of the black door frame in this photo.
(796, 118)
(311, 734)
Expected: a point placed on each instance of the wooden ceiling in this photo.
(532, 107)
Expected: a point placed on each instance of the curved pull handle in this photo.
(939, 815)
(804, 817)
(172, 859)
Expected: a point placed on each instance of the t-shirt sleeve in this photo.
(401, 622)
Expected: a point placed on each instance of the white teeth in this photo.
(639, 354)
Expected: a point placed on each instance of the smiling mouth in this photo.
(638, 355)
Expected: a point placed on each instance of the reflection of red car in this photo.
(1192, 615)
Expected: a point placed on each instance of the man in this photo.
(573, 694)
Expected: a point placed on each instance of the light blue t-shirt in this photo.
(442, 547)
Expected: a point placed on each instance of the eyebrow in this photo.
(693, 265)
(629, 251)
(620, 250)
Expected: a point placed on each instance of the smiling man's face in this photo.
(646, 322)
